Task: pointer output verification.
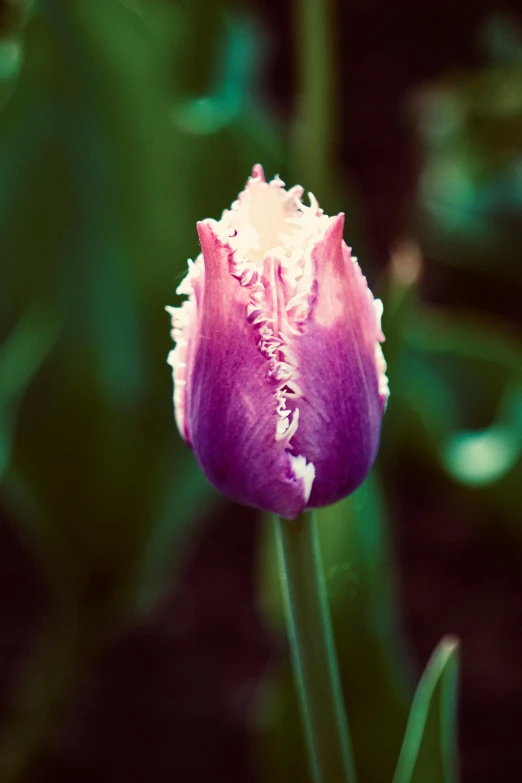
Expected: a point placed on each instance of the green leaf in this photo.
(429, 751)
(111, 187)
(465, 336)
(21, 355)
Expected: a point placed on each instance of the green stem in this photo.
(313, 650)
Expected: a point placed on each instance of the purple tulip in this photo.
(279, 376)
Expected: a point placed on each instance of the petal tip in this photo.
(209, 235)
(335, 228)
(338, 220)
(203, 226)
(258, 172)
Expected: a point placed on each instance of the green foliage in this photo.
(456, 403)
(21, 355)
(110, 152)
(471, 192)
(103, 176)
(429, 750)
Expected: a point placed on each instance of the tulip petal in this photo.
(341, 406)
(185, 332)
(232, 406)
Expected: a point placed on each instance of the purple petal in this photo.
(341, 408)
(232, 406)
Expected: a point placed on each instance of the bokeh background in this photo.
(141, 636)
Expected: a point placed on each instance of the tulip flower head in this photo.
(279, 378)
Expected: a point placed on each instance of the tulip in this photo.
(279, 377)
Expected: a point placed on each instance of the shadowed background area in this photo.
(141, 633)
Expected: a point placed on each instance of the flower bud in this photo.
(279, 377)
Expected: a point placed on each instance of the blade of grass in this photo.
(429, 750)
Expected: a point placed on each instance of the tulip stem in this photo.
(313, 652)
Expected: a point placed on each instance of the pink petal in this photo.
(232, 408)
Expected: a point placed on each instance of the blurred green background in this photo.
(141, 635)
